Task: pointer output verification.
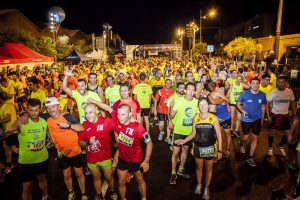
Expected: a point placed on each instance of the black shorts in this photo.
(2, 152)
(179, 136)
(162, 117)
(145, 111)
(130, 166)
(255, 126)
(196, 151)
(226, 124)
(66, 162)
(27, 172)
(234, 105)
(12, 140)
(284, 122)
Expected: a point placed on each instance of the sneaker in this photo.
(282, 152)
(98, 197)
(128, 177)
(198, 189)
(183, 174)
(270, 152)
(236, 133)
(84, 197)
(173, 179)
(251, 162)
(168, 140)
(242, 149)
(205, 194)
(113, 196)
(87, 171)
(160, 136)
(71, 196)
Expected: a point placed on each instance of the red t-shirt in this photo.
(99, 151)
(163, 95)
(134, 105)
(129, 140)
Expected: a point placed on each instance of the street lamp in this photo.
(180, 33)
(211, 13)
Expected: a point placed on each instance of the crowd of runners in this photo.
(84, 110)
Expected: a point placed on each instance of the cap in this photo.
(51, 101)
(142, 76)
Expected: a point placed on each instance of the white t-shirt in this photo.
(281, 100)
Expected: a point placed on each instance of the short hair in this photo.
(125, 85)
(179, 84)
(110, 77)
(34, 102)
(125, 105)
(265, 76)
(254, 79)
(81, 80)
(281, 77)
(186, 73)
(92, 73)
(190, 83)
(34, 80)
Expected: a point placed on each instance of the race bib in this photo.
(207, 151)
(187, 121)
(36, 146)
(126, 140)
(95, 147)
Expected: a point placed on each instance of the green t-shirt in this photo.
(112, 94)
(81, 102)
(32, 139)
(170, 99)
(235, 93)
(185, 111)
(142, 91)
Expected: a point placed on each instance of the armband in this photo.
(147, 137)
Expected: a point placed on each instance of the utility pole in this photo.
(278, 29)
(200, 27)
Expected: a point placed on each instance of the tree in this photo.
(200, 48)
(242, 48)
(45, 46)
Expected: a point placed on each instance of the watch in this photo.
(69, 125)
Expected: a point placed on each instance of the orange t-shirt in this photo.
(64, 140)
(163, 95)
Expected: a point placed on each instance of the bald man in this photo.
(130, 133)
(96, 140)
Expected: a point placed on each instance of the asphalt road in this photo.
(232, 178)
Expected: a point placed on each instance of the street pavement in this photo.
(232, 178)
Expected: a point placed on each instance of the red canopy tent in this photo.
(14, 53)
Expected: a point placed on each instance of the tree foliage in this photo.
(242, 48)
(200, 48)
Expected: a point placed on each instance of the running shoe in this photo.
(242, 149)
(251, 162)
(173, 179)
(281, 150)
(168, 140)
(236, 133)
(129, 177)
(270, 152)
(113, 196)
(71, 196)
(183, 174)
(97, 197)
(160, 136)
(198, 189)
(205, 194)
(84, 197)
(87, 171)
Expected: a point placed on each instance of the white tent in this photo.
(96, 55)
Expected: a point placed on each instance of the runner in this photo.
(112, 92)
(33, 155)
(206, 129)
(183, 111)
(130, 133)
(94, 86)
(279, 101)
(251, 103)
(96, 140)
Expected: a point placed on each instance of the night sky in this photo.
(143, 21)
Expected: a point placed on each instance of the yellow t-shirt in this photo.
(39, 94)
(266, 90)
(8, 108)
(273, 80)
(142, 91)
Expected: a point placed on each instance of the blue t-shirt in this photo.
(252, 104)
(222, 112)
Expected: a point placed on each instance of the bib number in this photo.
(124, 139)
(206, 151)
(36, 146)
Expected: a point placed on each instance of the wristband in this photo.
(219, 151)
(69, 125)
(146, 161)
